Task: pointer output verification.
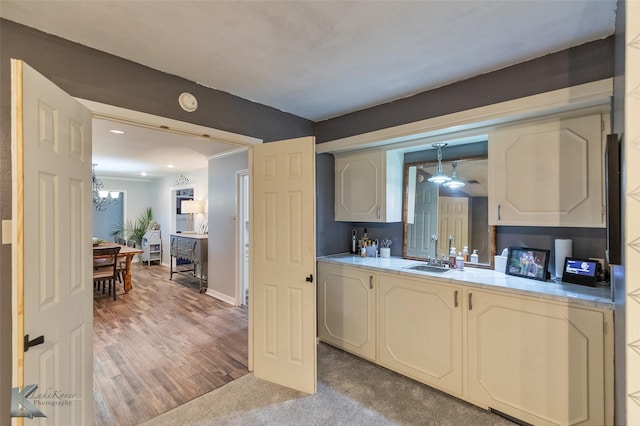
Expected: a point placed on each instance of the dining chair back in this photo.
(106, 270)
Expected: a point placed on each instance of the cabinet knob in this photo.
(309, 279)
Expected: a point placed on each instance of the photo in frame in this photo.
(528, 263)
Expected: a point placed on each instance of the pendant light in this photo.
(454, 182)
(439, 176)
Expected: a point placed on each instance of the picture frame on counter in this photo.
(528, 262)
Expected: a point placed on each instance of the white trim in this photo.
(221, 296)
(240, 234)
(124, 178)
(142, 119)
(470, 122)
(228, 153)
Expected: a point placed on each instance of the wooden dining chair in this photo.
(106, 271)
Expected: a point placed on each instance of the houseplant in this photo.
(134, 230)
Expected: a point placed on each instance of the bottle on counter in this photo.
(465, 253)
(354, 241)
(474, 256)
(452, 258)
(363, 249)
(459, 261)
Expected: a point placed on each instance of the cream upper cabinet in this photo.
(369, 186)
(420, 330)
(548, 173)
(539, 361)
(346, 309)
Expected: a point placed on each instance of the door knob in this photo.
(309, 279)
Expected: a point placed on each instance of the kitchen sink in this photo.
(429, 268)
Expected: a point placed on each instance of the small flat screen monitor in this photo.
(580, 271)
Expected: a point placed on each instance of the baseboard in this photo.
(221, 296)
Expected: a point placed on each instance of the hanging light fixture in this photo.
(101, 198)
(454, 182)
(439, 176)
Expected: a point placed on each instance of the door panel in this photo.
(52, 245)
(283, 256)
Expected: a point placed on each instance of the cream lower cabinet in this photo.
(420, 330)
(346, 309)
(541, 362)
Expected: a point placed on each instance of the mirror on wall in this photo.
(438, 216)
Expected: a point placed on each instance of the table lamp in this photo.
(190, 207)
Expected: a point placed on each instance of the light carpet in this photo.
(351, 391)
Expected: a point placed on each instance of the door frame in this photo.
(138, 118)
(243, 203)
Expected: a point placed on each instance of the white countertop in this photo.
(484, 278)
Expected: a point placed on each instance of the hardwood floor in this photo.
(161, 345)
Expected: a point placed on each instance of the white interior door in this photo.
(52, 284)
(453, 219)
(282, 260)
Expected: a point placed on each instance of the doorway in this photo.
(180, 219)
(169, 197)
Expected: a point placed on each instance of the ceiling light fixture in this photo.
(117, 132)
(171, 166)
(439, 176)
(454, 183)
(101, 198)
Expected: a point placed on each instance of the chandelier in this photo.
(101, 198)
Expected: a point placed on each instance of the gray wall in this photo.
(222, 230)
(587, 242)
(582, 64)
(331, 236)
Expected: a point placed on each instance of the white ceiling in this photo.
(148, 150)
(320, 59)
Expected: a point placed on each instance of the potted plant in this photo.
(134, 230)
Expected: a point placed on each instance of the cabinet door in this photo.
(369, 187)
(548, 173)
(359, 191)
(346, 309)
(420, 331)
(537, 361)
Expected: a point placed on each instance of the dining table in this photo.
(125, 252)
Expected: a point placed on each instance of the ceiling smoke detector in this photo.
(188, 102)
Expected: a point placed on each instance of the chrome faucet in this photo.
(434, 240)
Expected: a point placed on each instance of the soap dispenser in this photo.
(459, 261)
(474, 256)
